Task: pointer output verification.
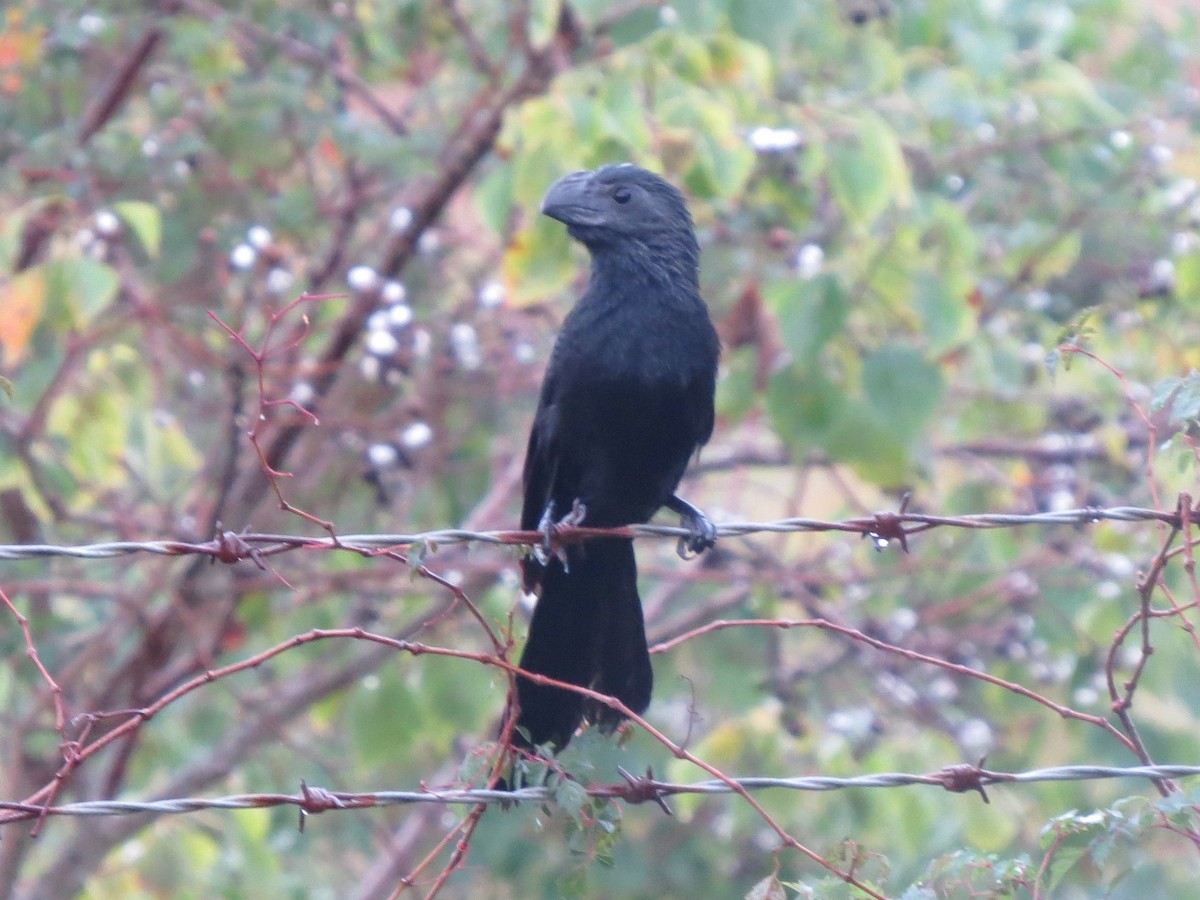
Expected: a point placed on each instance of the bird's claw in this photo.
(702, 533)
(576, 515)
(703, 536)
(543, 550)
(547, 549)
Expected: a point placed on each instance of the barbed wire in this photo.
(882, 527)
(635, 789)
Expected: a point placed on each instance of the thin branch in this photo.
(853, 633)
(120, 87)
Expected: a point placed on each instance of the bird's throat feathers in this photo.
(667, 265)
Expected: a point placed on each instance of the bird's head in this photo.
(626, 212)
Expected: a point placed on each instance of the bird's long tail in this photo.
(587, 630)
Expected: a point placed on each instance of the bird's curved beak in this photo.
(574, 200)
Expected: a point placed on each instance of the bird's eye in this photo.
(621, 194)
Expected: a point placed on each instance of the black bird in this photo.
(626, 402)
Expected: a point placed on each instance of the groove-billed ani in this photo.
(626, 401)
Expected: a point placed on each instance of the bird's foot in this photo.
(543, 550)
(702, 534)
(548, 549)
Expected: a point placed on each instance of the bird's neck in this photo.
(646, 270)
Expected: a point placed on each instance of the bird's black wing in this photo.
(540, 465)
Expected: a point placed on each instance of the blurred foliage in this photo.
(905, 209)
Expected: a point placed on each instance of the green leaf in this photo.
(539, 262)
(1187, 280)
(95, 428)
(145, 221)
(803, 406)
(12, 225)
(1185, 406)
(875, 449)
(768, 888)
(570, 796)
(888, 266)
(548, 149)
(721, 160)
(723, 165)
(869, 173)
(1178, 802)
(987, 51)
(810, 312)
(1066, 82)
(1053, 260)
(950, 227)
(159, 448)
(494, 198)
(620, 113)
(632, 27)
(903, 389)
(810, 412)
(572, 883)
(79, 288)
(762, 21)
(946, 317)
(1065, 859)
(1164, 390)
(737, 390)
(543, 20)
(379, 716)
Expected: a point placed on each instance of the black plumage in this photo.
(626, 402)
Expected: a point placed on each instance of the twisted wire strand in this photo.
(638, 790)
(882, 526)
